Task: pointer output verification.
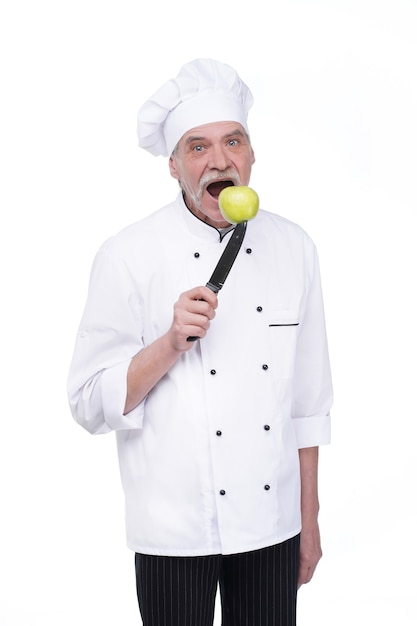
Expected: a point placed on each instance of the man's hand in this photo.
(193, 313)
(310, 547)
(310, 552)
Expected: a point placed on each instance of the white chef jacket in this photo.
(209, 460)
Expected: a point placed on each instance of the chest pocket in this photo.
(283, 331)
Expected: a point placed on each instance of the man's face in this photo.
(207, 159)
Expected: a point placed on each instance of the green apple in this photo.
(238, 204)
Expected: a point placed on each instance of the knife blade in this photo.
(224, 265)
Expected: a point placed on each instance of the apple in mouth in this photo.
(238, 203)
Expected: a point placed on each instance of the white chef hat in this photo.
(204, 91)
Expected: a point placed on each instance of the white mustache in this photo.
(215, 176)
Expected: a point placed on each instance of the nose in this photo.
(218, 158)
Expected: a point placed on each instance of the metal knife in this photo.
(225, 262)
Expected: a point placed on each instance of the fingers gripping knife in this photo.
(244, 202)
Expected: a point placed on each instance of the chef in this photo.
(217, 438)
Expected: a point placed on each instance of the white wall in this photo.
(335, 134)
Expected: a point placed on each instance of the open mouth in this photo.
(215, 188)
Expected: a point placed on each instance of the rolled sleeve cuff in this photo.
(113, 395)
(312, 431)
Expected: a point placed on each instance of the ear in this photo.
(173, 168)
(253, 156)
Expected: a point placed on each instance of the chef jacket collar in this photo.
(198, 227)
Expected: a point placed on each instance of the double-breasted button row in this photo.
(265, 367)
(219, 433)
(222, 492)
(248, 251)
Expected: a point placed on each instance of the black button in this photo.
(267, 427)
(222, 492)
(219, 433)
(259, 309)
(212, 372)
(196, 254)
(248, 250)
(267, 487)
(264, 366)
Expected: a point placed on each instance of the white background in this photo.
(335, 134)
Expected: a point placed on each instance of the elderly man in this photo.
(217, 438)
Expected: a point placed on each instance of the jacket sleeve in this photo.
(312, 391)
(108, 337)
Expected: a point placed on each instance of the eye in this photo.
(197, 148)
(233, 142)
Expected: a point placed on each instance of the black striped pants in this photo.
(257, 588)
